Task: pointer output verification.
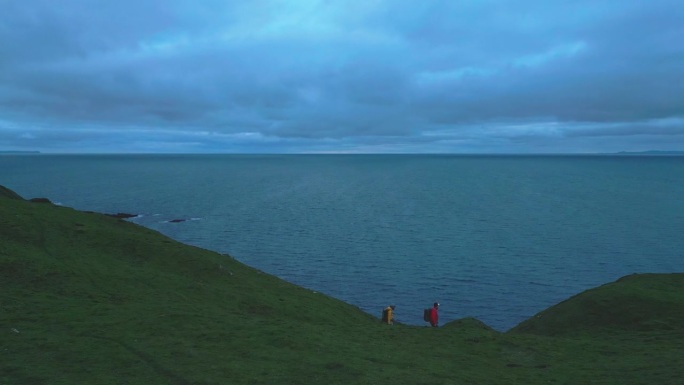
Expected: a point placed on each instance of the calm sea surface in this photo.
(498, 238)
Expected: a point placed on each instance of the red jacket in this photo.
(434, 317)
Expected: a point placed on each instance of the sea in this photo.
(495, 237)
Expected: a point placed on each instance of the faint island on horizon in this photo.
(651, 152)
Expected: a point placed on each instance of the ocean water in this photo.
(498, 238)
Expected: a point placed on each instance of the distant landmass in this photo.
(19, 152)
(651, 152)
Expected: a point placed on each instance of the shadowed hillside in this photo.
(7, 193)
(87, 298)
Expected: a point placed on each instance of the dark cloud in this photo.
(317, 76)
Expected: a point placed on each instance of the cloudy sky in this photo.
(317, 76)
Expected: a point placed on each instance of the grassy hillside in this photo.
(90, 299)
(636, 303)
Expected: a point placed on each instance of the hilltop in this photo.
(87, 298)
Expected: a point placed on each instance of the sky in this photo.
(316, 76)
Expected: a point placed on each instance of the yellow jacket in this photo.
(388, 315)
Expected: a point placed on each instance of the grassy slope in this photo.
(86, 298)
(636, 303)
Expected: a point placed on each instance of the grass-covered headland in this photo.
(87, 298)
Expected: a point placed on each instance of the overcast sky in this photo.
(369, 76)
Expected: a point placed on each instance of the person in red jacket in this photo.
(434, 315)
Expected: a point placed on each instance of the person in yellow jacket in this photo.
(388, 315)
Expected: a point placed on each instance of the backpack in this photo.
(426, 315)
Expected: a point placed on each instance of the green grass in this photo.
(90, 299)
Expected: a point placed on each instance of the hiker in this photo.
(388, 315)
(434, 315)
